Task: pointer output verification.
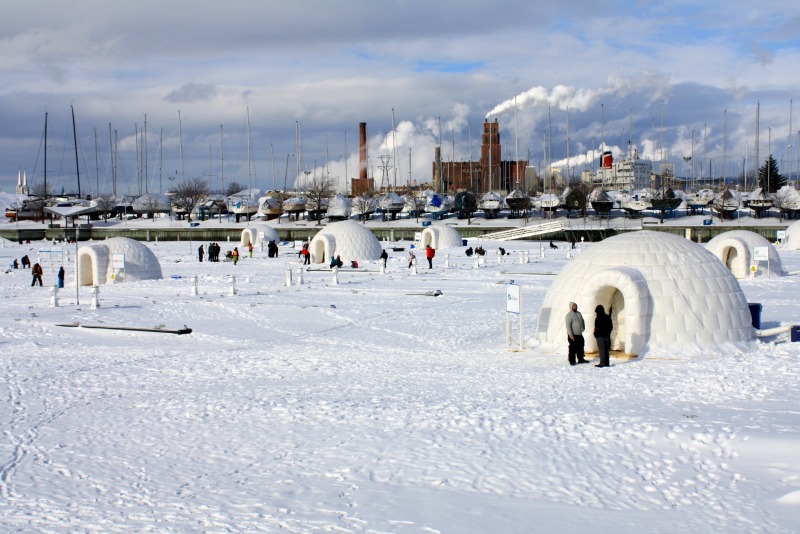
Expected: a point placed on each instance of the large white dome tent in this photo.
(663, 291)
(348, 239)
(440, 236)
(95, 262)
(735, 249)
(252, 235)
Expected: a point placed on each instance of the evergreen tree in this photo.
(769, 177)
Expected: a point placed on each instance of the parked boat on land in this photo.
(269, 207)
(699, 200)
(633, 202)
(437, 205)
(600, 201)
(491, 203)
(391, 203)
(726, 204)
(244, 203)
(518, 202)
(295, 205)
(339, 208)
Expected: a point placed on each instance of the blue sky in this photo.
(667, 68)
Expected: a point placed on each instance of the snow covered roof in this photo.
(663, 290)
(441, 236)
(348, 239)
(736, 249)
(152, 202)
(96, 266)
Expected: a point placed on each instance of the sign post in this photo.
(761, 254)
(117, 265)
(513, 307)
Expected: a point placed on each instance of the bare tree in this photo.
(417, 201)
(365, 203)
(188, 194)
(320, 190)
(233, 188)
(783, 200)
(105, 203)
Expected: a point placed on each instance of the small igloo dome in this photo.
(96, 262)
(736, 250)
(258, 234)
(792, 240)
(663, 290)
(441, 236)
(348, 239)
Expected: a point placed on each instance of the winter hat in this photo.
(599, 309)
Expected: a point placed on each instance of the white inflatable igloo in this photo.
(348, 239)
(252, 235)
(792, 240)
(440, 236)
(663, 290)
(95, 262)
(736, 248)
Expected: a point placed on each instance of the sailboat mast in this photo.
(45, 158)
(221, 159)
(346, 171)
(180, 134)
(272, 160)
(516, 143)
(96, 166)
(249, 159)
(724, 145)
(75, 139)
(144, 155)
(394, 150)
(758, 111)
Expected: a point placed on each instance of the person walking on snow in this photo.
(37, 274)
(411, 258)
(61, 278)
(384, 258)
(235, 255)
(575, 326)
(200, 253)
(602, 333)
(429, 254)
(250, 249)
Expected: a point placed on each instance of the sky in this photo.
(371, 405)
(679, 80)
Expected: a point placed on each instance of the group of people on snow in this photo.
(575, 327)
(213, 252)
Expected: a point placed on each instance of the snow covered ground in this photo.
(370, 406)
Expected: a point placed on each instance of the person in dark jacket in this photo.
(602, 333)
(37, 274)
(384, 258)
(200, 253)
(26, 263)
(61, 278)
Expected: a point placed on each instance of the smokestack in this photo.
(362, 150)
